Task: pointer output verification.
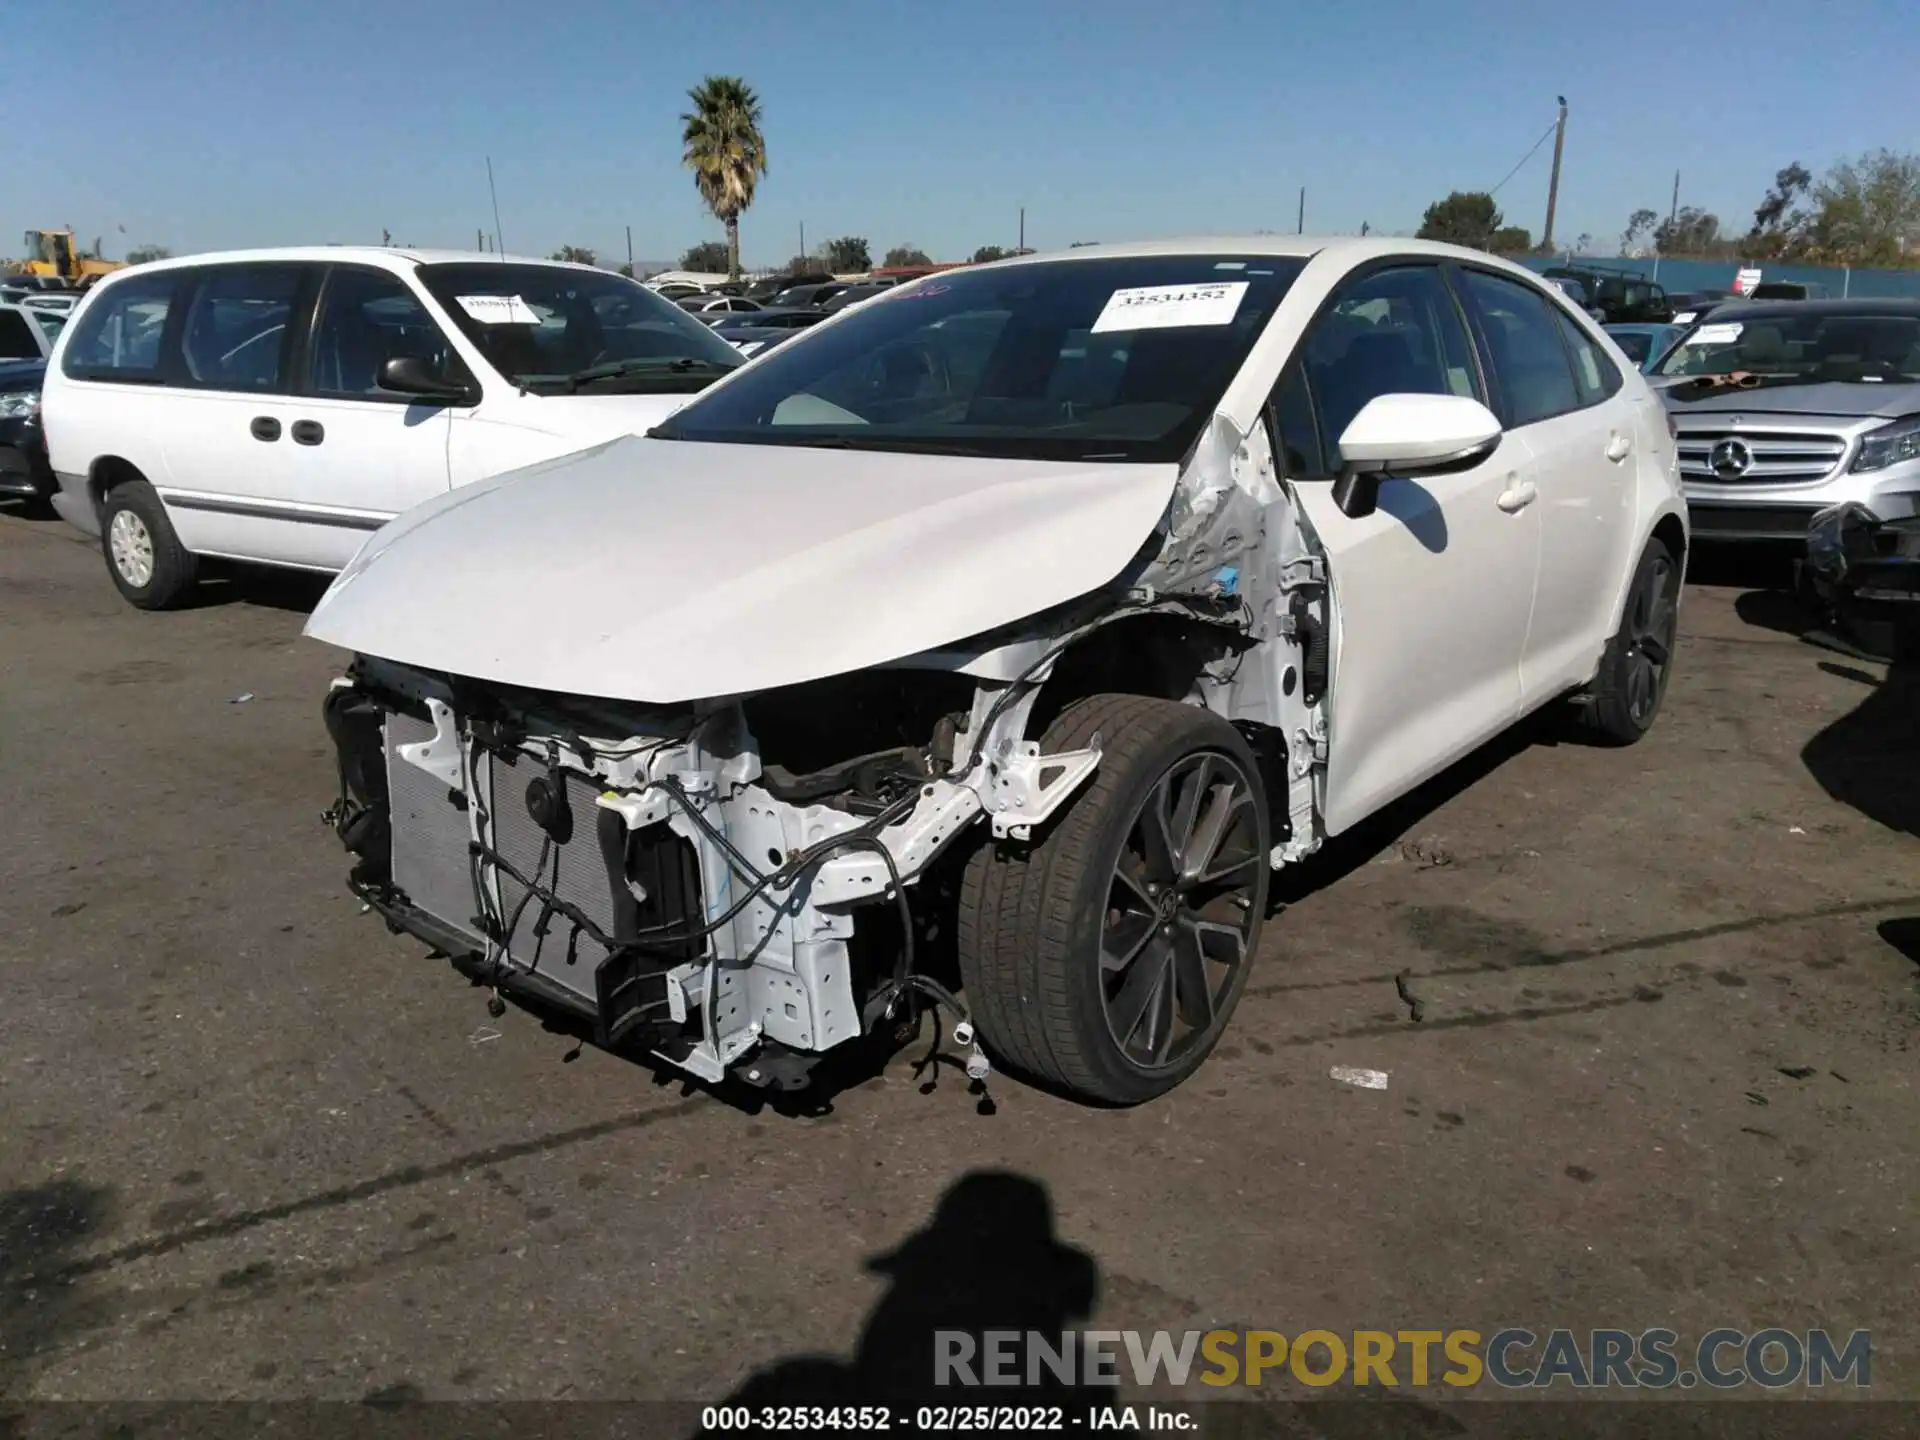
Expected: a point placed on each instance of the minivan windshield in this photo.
(556, 328)
(1119, 358)
(1803, 344)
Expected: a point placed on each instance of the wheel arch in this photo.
(1670, 529)
(108, 472)
(1156, 656)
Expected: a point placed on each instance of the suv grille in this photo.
(1773, 457)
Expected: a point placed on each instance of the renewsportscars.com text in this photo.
(1512, 1358)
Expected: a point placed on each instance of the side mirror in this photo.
(411, 375)
(1409, 435)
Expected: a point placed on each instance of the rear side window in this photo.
(1529, 358)
(235, 336)
(118, 334)
(1595, 377)
(17, 340)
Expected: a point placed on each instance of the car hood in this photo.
(22, 374)
(1842, 399)
(662, 571)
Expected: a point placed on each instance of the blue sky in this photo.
(199, 124)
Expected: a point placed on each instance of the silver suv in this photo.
(1782, 410)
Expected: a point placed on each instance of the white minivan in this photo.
(279, 405)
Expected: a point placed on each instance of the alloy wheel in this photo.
(1651, 625)
(1181, 909)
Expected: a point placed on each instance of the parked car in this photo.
(59, 302)
(1104, 572)
(1790, 407)
(279, 405)
(1576, 291)
(1644, 344)
(1621, 299)
(24, 472)
(711, 305)
(1788, 290)
(813, 293)
(1864, 572)
(1692, 305)
(854, 294)
(677, 290)
(768, 286)
(769, 318)
(752, 340)
(27, 332)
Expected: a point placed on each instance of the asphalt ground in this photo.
(252, 1146)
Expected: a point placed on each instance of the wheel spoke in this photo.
(1140, 987)
(1223, 805)
(1161, 851)
(1124, 939)
(1160, 1040)
(1191, 989)
(1188, 814)
(1131, 873)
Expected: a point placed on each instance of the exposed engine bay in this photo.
(694, 880)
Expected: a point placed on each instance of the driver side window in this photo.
(1394, 332)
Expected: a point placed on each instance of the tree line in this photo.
(1863, 212)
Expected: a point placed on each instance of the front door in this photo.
(1433, 591)
(361, 455)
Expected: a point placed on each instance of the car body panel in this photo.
(701, 570)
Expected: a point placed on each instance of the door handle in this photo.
(1619, 446)
(307, 432)
(1517, 497)
(265, 427)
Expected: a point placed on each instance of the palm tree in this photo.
(725, 151)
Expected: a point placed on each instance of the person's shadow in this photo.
(988, 1261)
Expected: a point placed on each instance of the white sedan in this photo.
(1046, 607)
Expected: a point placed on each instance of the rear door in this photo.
(359, 455)
(226, 412)
(1432, 592)
(1561, 400)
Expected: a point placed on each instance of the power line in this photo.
(1526, 157)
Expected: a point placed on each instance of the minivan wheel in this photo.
(1635, 667)
(1105, 957)
(145, 558)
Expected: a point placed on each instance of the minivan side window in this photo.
(118, 334)
(1530, 361)
(235, 335)
(366, 318)
(1395, 331)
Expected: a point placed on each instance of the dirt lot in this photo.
(251, 1145)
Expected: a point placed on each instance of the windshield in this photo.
(1813, 346)
(1110, 359)
(1636, 344)
(541, 325)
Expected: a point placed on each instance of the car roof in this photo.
(1770, 309)
(397, 258)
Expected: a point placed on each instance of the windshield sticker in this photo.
(1715, 335)
(1685, 317)
(1171, 307)
(499, 309)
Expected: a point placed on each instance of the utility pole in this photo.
(629, 247)
(803, 239)
(1021, 243)
(1300, 225)
(1673, 212)
(1553, 185)
(479, 239)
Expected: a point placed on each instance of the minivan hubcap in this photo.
(132, 546)
(1181, 909)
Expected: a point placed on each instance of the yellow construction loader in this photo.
(54, 253)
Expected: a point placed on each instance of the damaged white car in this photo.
(1045, 607)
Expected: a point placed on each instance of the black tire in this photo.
(1035, 919)
(1625, 697)
(167, 575)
